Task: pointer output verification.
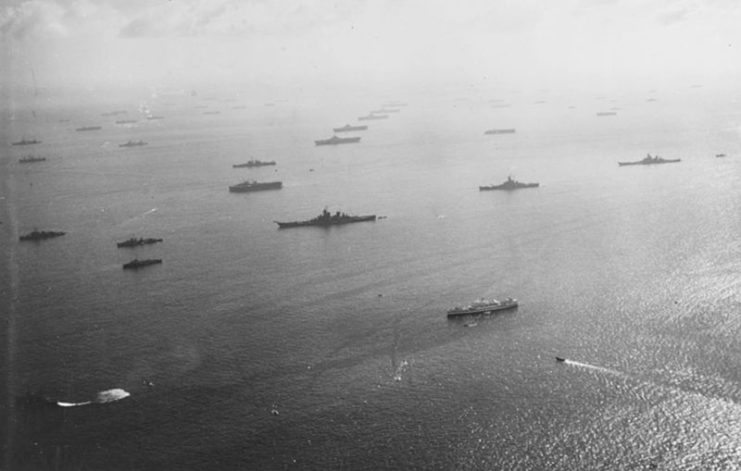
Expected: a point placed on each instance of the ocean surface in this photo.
(256, 348)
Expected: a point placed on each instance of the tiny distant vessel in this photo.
(134, 242)
(348, 128)
(212, 112)
(385, 110)
(126, 121)
(500, 131)
(607, 113)
(239, 107)
(482, 306)
(327, 219)
(248, 186)
(133, 144)
(26, 142)
(560, 359)
(651, 100)
(394, 104)
(720, 155)
(373, 116)
(254, 163)
(41, 235)
(500, 105)
(510, 184)
(115, 113)
(650, 160)
(334, 140)
(136, 263)
(30, 159)
(89, 128)
(155, 117)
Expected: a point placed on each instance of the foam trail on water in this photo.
(149, 212)
(596, 368)
(103, 397)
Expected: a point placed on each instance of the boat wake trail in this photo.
(596, 368)
(103, 397)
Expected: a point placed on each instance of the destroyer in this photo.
(327, 219)
(247, 186)
(41, 235)
(334, 140)
(254, 163)
(30, 159)
(136, 263)
(26, 142)
(482, 306)
(348, 128)
(510, 184)
(650, 160)
(133, 144)
(134, 242)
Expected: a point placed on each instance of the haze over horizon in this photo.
(574, 44)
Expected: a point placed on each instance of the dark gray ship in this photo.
(327, 219)
(89, 128)
(650, 160)
(26, 142)
(483, 306)
(348, 128)
(373, 116)
(41, 235)
(509, 184)
(133, 144)
(249, 186)
(254, 163)
(136, 263)
(500, 131)
(334, 140)
(29, 159)
(134, 242)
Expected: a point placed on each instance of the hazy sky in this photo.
(530, 42)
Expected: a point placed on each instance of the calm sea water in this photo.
(254, 348)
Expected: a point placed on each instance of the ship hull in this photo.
(349, 220)
(482, 310)
(509, 188)
(640, 162)
(135, 265)
(259, 187)
(339, 140)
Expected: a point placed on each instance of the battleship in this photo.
(26, 142)
(500, 131)
(373, 116)
(327, 219)
(650, 160)
(133, 144)
(254, 163)
(89, 128)
(134, 242)
(248, 186)
(483, 306)
(136, 263)
(334, 140)
(41, 235)
(510, 184)
(348, 128)
(30, 159)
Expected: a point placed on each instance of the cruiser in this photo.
(26, 142)
(254, 163)
(327, 219)
(41, 235)
(510, 184)
(500, 131)
(482, 306)
(373, 116)
(347, 128)
(133, 144)
(30, 159)
(247, 186)
(334, 140)
(134, 242)
(136, 263)
(89, 128)
(650, 160)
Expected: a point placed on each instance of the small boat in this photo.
(254, 163)
(30, 159)
(334, 140)
(136, 263)
(134, 242)
(248, 186)
(482, 306)
(41, 235)
(650, 160)
(559, 359)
